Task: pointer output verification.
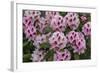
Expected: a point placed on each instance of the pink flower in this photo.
(38, 55)
(39, 40)
(30, 32)
(86, 29)
(71, 36)
(32, 13)
(42, 24)
(57, 23)
(62, 55)
(77, 41)
(72, 20)
(27, 21)
(83, 18)
(50, 14)
(28, 28)
(57, 40)
(80, 45)
(35, 16)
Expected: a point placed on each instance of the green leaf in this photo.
(26, 58)
(67, 30)
(45, 45)
(49, 55)
(79, 29)
(28, 47)
(48, 29)
(86, 55)
(25, 43)
(76, 56)
(69, 47)
(63, 13)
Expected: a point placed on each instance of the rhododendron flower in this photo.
(83, 18)
(58, 40)
(71, 36)
(50, 14)
(30, 33)
(31, 13)
(57, 23)
(62, 55)
(72, 20)
(86, 29)
(42, 24)
(37, 55)
(27, 21)
(77, 41)
(28, 28)
(39, 40)
(35, 16)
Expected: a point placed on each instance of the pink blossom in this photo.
(42, 24)
(72, 20)
(28, 28)
(83, 18)
(30, 32)
(57, 23)
(39, 40)
(38, 55)
(62, 55)
(57, 40)
(27, 21)
(86, 29)
(50, 14)
(71, 36)
(77, 41)
(35, 16)
(32, 13)
(80, 45)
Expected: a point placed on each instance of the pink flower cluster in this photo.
(50, 14)
(83, 18)
(86, 29)
(29, 29)
(62, 55)
(57, 23)
(38, 55)
(77, 41)
(39, 40)
(57, 40)
(72, 20)
(32, 22)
